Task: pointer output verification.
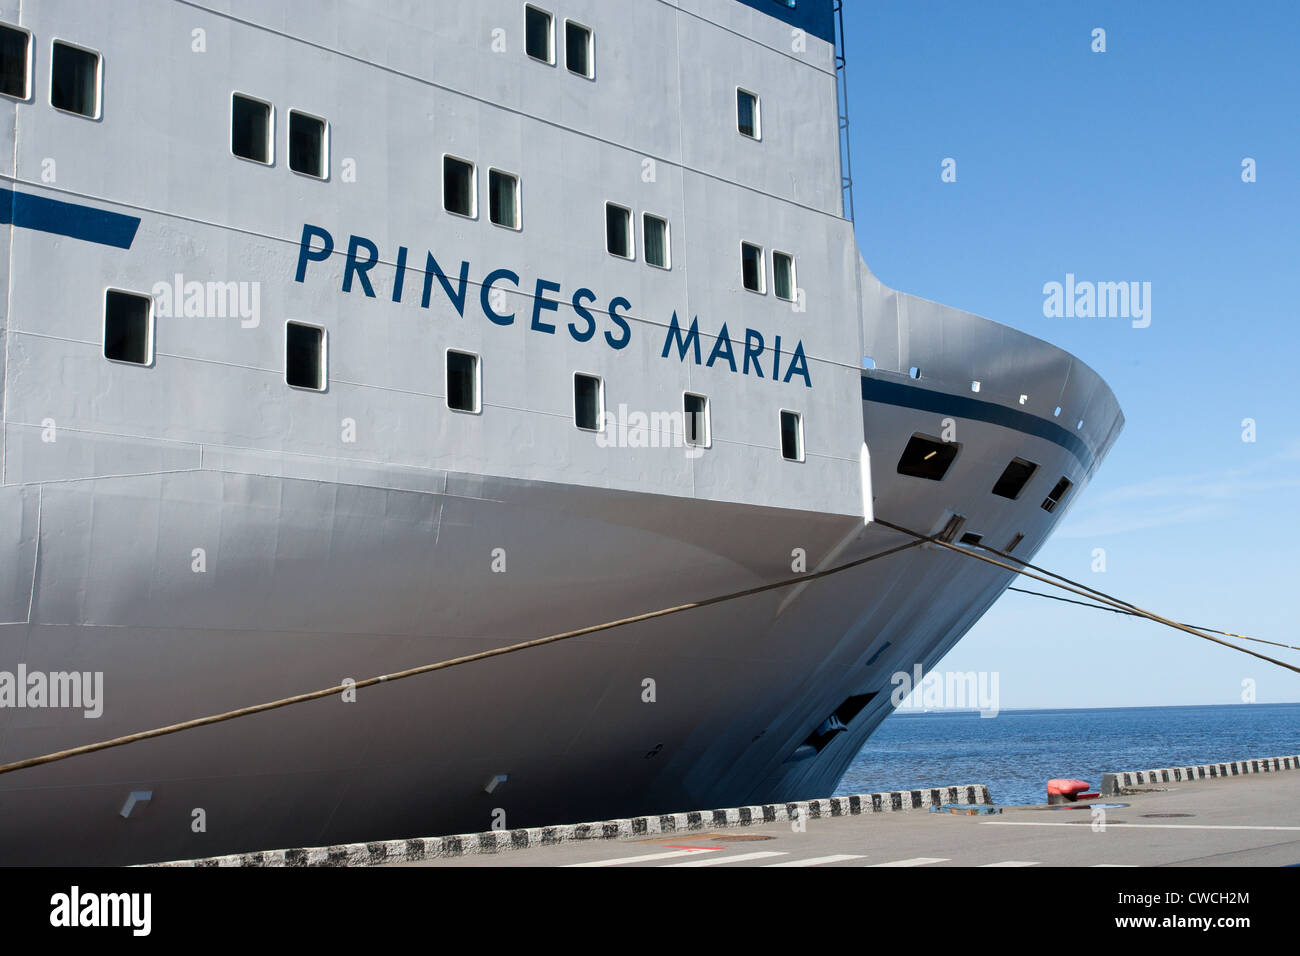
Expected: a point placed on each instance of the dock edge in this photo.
(497, 841)
(1113, 784)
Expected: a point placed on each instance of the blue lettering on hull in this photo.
(545, 317)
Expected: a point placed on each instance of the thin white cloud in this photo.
(1181, 499)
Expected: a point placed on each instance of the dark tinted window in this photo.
(586, 402)
(1014, 478)
(307, 144)
(751, 266)
(747, 113)
(577, 49)
(791, 436)
(74, 80)
(537, 26)
(462, 382)
(696, 408)
(304, 354)
(127, 332)
(458, 186)
(250, 129)
(618, 231)
(13, 62)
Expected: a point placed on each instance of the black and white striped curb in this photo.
(1114, 783)
(497, 841)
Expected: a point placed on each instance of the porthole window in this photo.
(251, 124)
(459, 187)
(74, 79)
(539, 35)
(618, 231)
(791, 436)
(655, 237)
(15, 60)
(747, 114)
(128, 327)
(579, 50)
(783, 276)
(696, 410)
(463, 387)
(304, 356)
(751, 268)
(308, 145)
(588, 402)
(503, 199)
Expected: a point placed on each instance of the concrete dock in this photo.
(1245, 821)
(1240, 814)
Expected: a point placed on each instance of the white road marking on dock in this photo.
(1011, 863)
(720, 860)
(646, 858)
(1129, 865)
(915, 861)
(1134, 826)
(819, 860)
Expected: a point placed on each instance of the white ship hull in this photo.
(203, 537)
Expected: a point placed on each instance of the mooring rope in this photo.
(441, 665)
(1116, 610)
(1026, 569)
(1065, 584)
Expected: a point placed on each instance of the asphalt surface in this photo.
(1238, 821)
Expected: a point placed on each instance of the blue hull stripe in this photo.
(25, 211)
(961, 406)
(812, 16)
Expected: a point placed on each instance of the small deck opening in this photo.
(1056, 494)
(1014, 478)
(926, 457)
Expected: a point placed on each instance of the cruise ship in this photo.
(346, 337)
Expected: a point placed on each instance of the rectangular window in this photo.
(503, 198)
(657, 251)
(308, 145)
(747, 120)
(74, 80)
(791, 436)
(783, 275)
(696, 408)
(15, 46)
(1056, 494)
(578, 49)
(463, 390)
(1014, 543)
(250, 128)
(588, 401)
(751, 268)
(128, 327)
(926, 457)
(539, 32)
(458, 187)
(618, 231)
(1014, 477)
(304, 356)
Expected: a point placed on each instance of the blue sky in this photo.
(1116, 166)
